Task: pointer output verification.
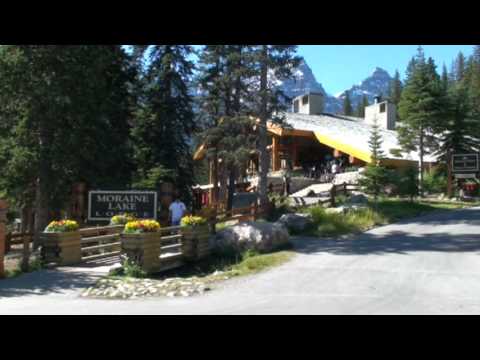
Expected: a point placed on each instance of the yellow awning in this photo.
(347, 149)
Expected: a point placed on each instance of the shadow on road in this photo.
(46, 282)
(404, 241)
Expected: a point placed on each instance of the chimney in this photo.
(384, 112)
(377, 99)
(309, 104)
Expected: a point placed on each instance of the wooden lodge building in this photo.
(309, 136)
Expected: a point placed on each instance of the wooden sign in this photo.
(103, 205)
(465, 176)
(465, 163)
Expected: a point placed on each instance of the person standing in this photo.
(286, 183)
(334, 168)
(177, 211)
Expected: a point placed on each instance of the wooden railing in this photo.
(100, 242)
(104, 242)
(343, 189)
(12, 239)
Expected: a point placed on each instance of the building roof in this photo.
(348, 134)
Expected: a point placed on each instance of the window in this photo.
(295, 106)
(305, 100)
(383, 107)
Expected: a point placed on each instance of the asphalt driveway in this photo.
(429, 265)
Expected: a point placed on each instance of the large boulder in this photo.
(259, 236)
(296, 222)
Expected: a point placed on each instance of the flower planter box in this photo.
(472, 188)
(61, 248)
(195, 244)
(143, 250)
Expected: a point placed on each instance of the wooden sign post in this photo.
(3, 230)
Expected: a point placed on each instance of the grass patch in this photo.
(217, 266)
(385, 212)
(34, 265)
(253, 264)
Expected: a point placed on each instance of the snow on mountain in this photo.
(304, 81)
(376, 84)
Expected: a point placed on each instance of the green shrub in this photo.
(133, 270)
(332, 224)
(435, 182)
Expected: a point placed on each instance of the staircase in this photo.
(313, 194)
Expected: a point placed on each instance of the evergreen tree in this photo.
(473, 82)
(460, 67)
(395, 90)
(347, 105)
(409, 183)
(375, 176)
(412, 64)
(445, 78)
(164, 119)
(459, 128)
(54, 101)
(361, 106)
(279, 61)
(223, 77)
(421, 108)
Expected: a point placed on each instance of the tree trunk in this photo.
(42, 188)
(262, 133)
(420, 184)
(26, 242)
(215, 179)
(449, 175)
(231, 188)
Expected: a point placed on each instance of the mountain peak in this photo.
(304, 81)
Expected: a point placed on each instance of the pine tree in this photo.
(361, 106)
(164, 119)
(224, 71)
(395, 90)
(280, 61)
(54, 101)
(460, 67)
(445, 78)
(409, 183)
(347, 105)
(411, 66)
(375, 176)
(421, 108)
(474, 82)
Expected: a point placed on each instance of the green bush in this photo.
(405, 181)
(332, 224)
(435, 182)
(132, 270)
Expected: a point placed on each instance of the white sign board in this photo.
(103, 205)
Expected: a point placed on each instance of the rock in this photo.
(358, 199)
(259, 236)
(296, 222)
(337, 210)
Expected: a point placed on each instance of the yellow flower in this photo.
(193, 220)
(142, 226)
(122, 219)
(62, 226)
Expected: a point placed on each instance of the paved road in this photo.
(430, 265)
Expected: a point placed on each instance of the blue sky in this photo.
(338, 67)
